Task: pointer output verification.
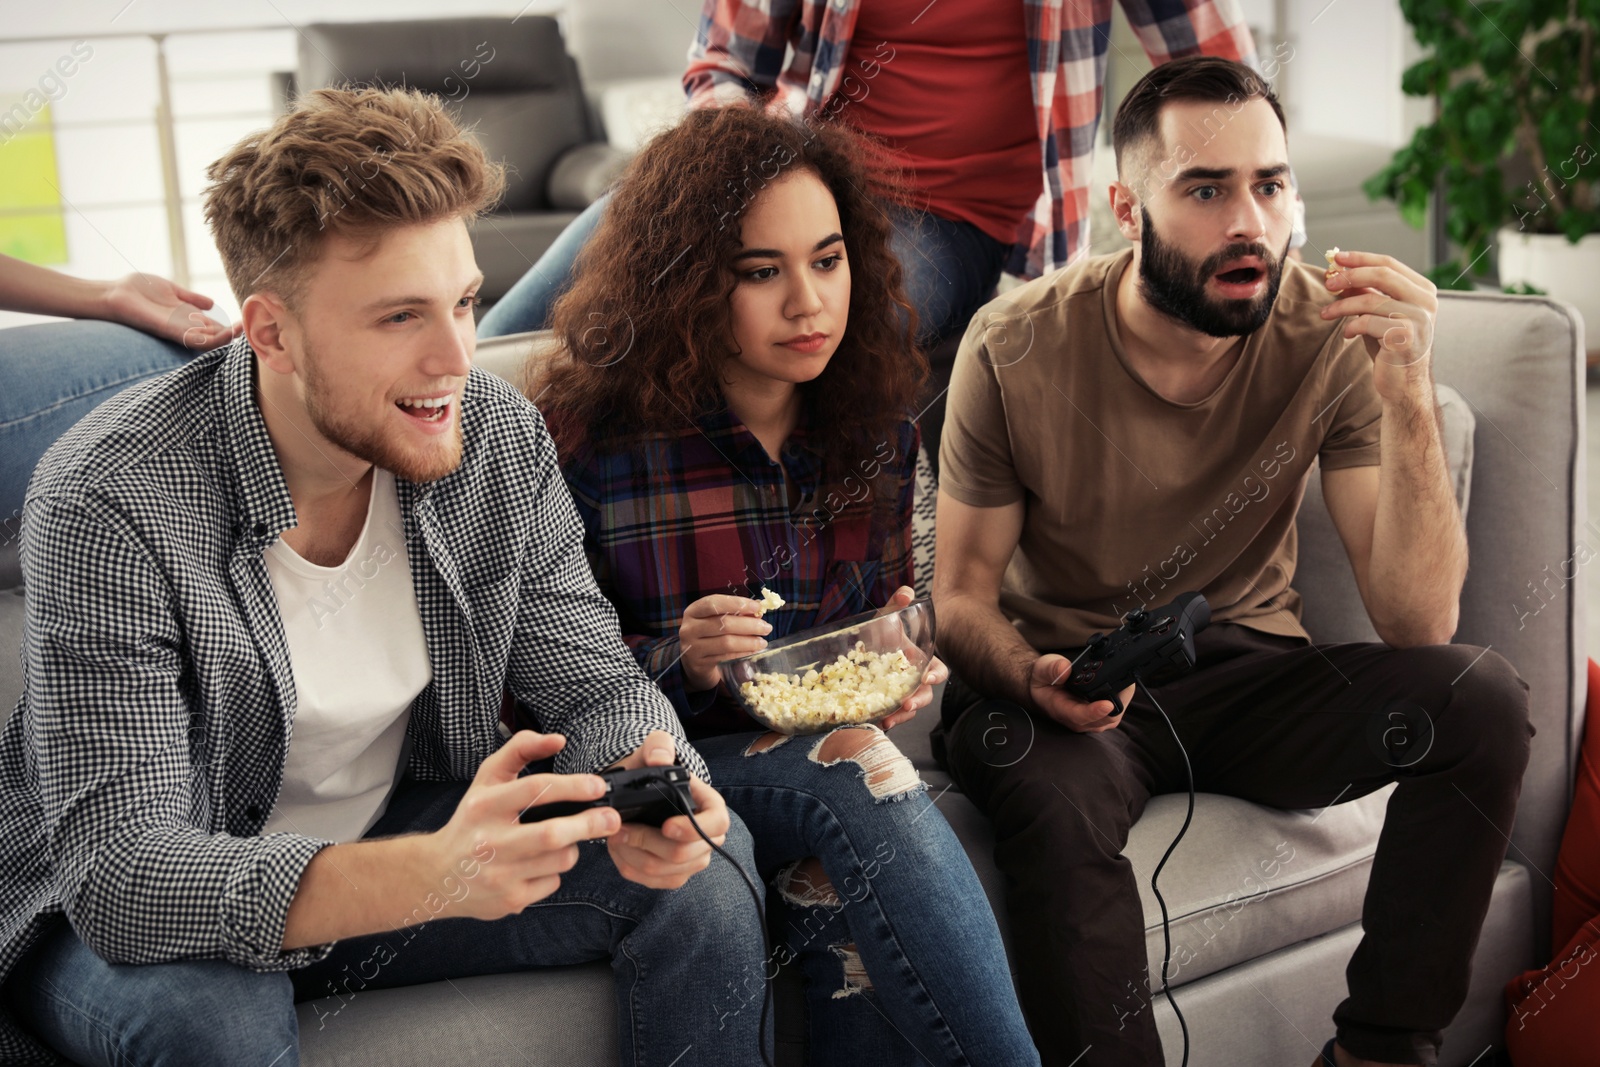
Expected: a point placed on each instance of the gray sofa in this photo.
(1265, 944)
(518, 89)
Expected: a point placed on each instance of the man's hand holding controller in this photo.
(518, 864)
(1045, 685)
(666, 858)
(1150, 647)
(486, 863)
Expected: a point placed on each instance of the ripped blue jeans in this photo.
(882, 910)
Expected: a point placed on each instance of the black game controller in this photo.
(647, 795)
(1152, 647)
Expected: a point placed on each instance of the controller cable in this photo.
(761, 916)
(1166, 928)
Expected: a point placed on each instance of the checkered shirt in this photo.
(148, 746)
(739, 53)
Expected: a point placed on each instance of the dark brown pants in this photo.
(1280, 722)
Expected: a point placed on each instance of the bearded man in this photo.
(1143, 424)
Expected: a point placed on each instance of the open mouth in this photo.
(427, 411)
(1240, 275)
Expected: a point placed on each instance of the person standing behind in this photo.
(997, 147)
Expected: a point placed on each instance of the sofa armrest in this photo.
(1519, 362)
(583, 173)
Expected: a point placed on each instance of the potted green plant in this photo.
(1514, 83)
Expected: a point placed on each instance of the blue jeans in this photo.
(526, 305)
(904, 906)
(54, 374)
(950, 270)
(667, 951)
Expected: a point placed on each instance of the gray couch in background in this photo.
(1265, 956)
(515, 86)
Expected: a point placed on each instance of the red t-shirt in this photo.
(946, 84)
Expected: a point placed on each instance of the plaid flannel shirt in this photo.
(739, 53)
(703, 511)
(147, 749)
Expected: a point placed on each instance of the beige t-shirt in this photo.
(1129, 498)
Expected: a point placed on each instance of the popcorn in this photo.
(1333, 264)
(858, 686)
(769, 601)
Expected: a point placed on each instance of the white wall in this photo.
(220, 57)
(1344, 80)
(620, 39)
(79, 18)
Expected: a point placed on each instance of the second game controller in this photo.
(1151, 647)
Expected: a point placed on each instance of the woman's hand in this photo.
(146, 302)
(937, 672)
(717, 628)
(151, 303)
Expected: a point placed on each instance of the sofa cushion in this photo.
(10, 558)
(527, 131)
(583, 174)
(1274, 1010)
(563, 1015)
(635, 110)
(508, 356)
(508, 244)
(437, 55)
(1244, 881)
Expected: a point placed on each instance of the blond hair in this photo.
(349, 161)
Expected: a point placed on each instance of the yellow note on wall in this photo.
(32, 216)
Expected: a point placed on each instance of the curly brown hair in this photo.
(646, 325)
(348, 161)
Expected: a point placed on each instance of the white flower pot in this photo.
(1567, 271)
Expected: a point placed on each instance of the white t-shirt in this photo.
(359, 659)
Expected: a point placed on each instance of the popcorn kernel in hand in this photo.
(769, 601)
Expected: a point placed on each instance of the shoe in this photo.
(1327, 1055)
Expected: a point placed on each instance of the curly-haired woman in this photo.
(733, 408)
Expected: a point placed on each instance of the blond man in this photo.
(274, 600)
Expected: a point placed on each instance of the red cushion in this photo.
(1577, 897)
(1553, 1015)
(1555, 1012)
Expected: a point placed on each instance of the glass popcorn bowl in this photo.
(857, 670)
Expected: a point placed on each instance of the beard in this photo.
(374, 442)
(1175, 285)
